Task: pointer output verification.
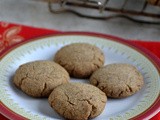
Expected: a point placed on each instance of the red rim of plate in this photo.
(150, 112)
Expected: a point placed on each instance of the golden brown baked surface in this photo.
(154, 2)
(77, 101)
(80, 59)
(39, 78)
(117, 80)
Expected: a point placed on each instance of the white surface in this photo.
(46, 48)
(36, 14)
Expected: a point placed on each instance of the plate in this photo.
(17, 105)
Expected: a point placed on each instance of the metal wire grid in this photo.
(123, 11)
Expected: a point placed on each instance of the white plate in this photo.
(45, 49)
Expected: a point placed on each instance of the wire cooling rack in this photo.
(135, 10)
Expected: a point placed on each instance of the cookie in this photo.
(77, 101)
(80, 59)
(39, 78)
(118, 80)
(154, 2)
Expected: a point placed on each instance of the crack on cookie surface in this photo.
(101, 60)
(121, 93)
(130, 88)
(22, 79)
(68, 99)
(96, 65)
(44, 88)
(91, 114)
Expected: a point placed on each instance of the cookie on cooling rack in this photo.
(154, 2)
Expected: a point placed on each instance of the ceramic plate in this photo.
(17, 105)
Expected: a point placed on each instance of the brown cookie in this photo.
(77, 101)
(80, 59)
(117, 80)
(154, 2)
(39, 78)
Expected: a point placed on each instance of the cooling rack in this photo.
(135, 10)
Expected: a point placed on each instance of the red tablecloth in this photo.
(11, 34)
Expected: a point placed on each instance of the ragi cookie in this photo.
(118, 80)
(39, 78)
(80, 59)
(77, 101)
(154, 2)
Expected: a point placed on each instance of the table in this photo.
(36, 13)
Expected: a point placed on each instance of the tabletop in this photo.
(36, 13)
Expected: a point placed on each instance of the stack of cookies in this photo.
(78, 101)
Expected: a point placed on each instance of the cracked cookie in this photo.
(39, 78)
(117, 80)
(77, 101)
(80, 59)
